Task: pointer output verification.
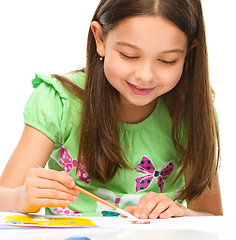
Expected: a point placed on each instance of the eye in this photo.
(168, 62)
(128, 57)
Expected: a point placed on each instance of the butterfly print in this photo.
(64, 210)
(66, 160)
(147, 168)
(68, 163)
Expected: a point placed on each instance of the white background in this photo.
(49, 36)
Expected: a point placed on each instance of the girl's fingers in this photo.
(39, 203)
(147, 204)
(154, 205)
(51, 179)
(129, 209)
(54, 185)
(172, 211)
(161, 207)
(55, 194)
(62, 177)
(38, 198)
(45, 188)
(53, 203)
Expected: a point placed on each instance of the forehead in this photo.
(149, 31)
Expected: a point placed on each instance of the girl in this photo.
(137, 126)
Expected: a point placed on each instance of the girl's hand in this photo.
(156, 205)
(47, 188)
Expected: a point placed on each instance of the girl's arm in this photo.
(209, 203)
(26, 188)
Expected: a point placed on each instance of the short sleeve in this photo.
(47, 108)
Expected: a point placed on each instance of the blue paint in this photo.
(21, 223)
(110, 214)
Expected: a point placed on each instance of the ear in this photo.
(194, 44)
(98, 35)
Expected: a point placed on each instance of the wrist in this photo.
(16, 200)
(10, 199)
(191, 213)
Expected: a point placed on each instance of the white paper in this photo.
(206, 224)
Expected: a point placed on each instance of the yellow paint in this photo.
(25, 220)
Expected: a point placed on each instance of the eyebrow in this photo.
(127, 45)
(178, 50)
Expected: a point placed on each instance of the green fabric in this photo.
(55, 111)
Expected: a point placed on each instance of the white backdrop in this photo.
(49, 36)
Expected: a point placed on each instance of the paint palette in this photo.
(47, 222)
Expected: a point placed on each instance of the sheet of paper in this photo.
(207, 224)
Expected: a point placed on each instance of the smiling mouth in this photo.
(138, 90)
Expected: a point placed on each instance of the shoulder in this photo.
(52, 107)
(49, 88)
(77, 77)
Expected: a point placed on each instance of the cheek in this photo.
(170, 78)
(114, 69)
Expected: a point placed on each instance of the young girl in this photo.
(137, 127)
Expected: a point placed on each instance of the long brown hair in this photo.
(190, 103)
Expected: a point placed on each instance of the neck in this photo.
(135, 114)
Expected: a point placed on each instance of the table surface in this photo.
(198, 228)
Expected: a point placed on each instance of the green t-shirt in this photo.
(55, 111)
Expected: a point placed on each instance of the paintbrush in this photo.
(105, 202)
(128, 215)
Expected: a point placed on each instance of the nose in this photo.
(145, 72)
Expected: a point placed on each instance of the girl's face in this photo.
(143, 58)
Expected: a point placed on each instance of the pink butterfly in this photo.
(68, 163)
(66, 160)
(147, 168)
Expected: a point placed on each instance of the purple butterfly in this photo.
(147, 168)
